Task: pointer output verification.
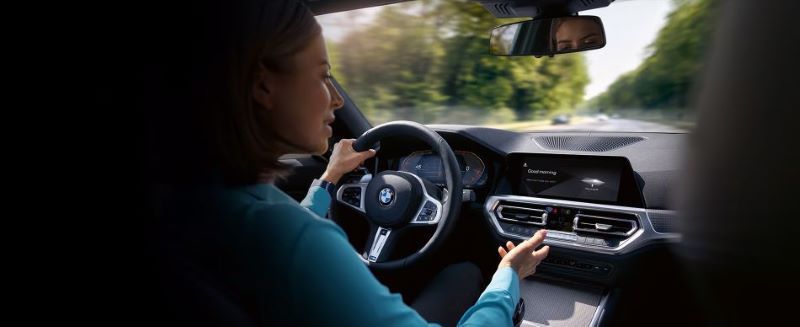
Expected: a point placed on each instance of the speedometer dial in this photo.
(473, 171)
(428, 165)
(424, 164)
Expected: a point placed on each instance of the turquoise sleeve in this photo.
(318, 200)
(496, 305)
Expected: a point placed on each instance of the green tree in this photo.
(473, 77)
(666, 77)
(432, 54)
(389, 62)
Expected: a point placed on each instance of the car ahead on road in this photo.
(560, 120)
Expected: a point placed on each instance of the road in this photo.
(611, 125)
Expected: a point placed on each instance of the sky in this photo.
(630, 27)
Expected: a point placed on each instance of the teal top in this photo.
(307, 273)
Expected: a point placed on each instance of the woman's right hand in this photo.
(522, 257)
(344, 159)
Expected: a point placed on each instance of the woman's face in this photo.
(299, 104)
(575, 34)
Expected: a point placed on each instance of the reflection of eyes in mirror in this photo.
(547, 36)
(575, 33)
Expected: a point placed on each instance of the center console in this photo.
(595, 214)
(588, 204)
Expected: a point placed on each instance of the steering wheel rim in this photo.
(450, 205)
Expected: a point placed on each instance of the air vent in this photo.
(603, 224)
(528, 214)
(586, 143)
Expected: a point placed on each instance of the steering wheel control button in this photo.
(428, 212)
(352, 196)
(430, 208)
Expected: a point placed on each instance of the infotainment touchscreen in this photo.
(584, 178)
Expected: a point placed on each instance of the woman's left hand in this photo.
(344, 159)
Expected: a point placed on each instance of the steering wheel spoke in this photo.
(380, 238)
(352, 195)
(430, 209)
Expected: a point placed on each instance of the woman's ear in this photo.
(261, 88)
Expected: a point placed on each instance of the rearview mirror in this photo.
(548, 36)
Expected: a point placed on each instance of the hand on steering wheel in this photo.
(344, 159)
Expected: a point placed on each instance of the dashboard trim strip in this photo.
(644, 236)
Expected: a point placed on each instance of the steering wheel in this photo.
(394, 201)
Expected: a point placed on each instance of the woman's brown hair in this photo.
(243, 147)
(218, 131)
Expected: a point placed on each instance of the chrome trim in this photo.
(428, 198)
(520, 221)
(643, 236)
(467, 195)
(633, 225)
(361, 185)
(377, 243)
(366, 178)
(598, 314)
(543, 217)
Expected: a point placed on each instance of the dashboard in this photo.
(602, 196)
(635, 169)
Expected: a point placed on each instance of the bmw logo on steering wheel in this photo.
(386, 196)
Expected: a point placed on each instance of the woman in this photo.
(236, 248)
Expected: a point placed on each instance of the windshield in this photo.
(429, 62)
